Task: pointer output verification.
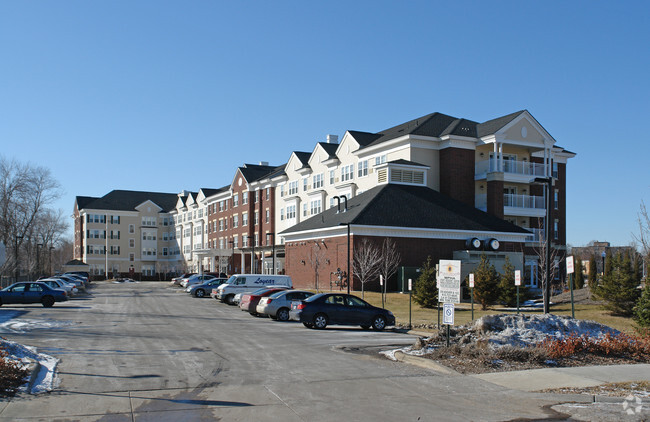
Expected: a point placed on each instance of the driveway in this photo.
(145, 351)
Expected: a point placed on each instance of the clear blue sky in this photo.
(165, 96)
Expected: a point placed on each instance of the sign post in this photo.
(471, 292)
(410, 290)
(448, 289)
(517, 283)
(570, 270)
(381, 286)
(448, 317)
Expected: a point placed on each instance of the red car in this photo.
(249, 301)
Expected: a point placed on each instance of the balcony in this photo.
(513, 170)
(516, 205)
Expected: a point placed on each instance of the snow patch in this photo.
(24, 325)
(45, 379)
(516, 330)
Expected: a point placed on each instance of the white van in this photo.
(246, 283)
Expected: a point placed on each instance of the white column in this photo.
(495, 158)
(500, 157)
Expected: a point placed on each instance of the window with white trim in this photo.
(362, 168)
(317, 181)
(315, 206)
(347, 172)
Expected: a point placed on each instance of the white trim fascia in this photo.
(317, 192)
(148, 200)
(417, 166)
(406, 232)
(369, 150)
(461, 142)
(529, 117)
(86, 211)
(361, 155)
(346, 186)
(305, 170)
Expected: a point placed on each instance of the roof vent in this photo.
(264, 163)
(332, 139)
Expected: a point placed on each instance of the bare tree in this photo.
(366, 262)
(540, 252)
(25, 192)
(317, 256)
(389, 261)
(643, 237)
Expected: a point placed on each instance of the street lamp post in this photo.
(38, 266)
(16, 251)
(273, 247)
(548, 183)
(232, 257)
(51, 272)
(251, 239)
(603, 255)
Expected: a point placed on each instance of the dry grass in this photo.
(398, 303)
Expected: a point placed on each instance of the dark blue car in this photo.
(31, 292)
(323, 309)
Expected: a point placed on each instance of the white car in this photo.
(196, 279)
(61, 285)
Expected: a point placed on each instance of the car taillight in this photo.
(300, 306)
(268, 300)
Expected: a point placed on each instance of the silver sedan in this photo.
(278, 304)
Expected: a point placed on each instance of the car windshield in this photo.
(314, 297)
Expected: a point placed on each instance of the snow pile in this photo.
(44, 380)
(528, 330)
(24, 325)
(508, 329)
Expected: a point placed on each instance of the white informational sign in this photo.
(381, 280)
(471, 280)
(448, 313)
(569, 265)
(410, 285)
(449, 281)
(517, 277)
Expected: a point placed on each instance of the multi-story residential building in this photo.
(490, 166)
(127, 232)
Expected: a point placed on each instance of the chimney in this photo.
(264, 163)
(332, 139)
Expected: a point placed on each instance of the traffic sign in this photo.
(471, 280)
(448, 313)
(569, 265)
(517, 277)
(449, 281)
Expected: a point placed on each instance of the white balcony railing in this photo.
(523, 201)
(510, 166)
(536, 236)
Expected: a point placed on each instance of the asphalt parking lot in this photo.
(146, 351)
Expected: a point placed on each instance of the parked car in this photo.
(196, 279)
(32, 292)
(246, 283)
(249, 301)
(278, 305)
(54, 283)
(72, 280)
(176, 281)
(340, 309)
(80, 276)
(201, 290)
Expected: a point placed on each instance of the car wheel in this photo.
(282, 314)
(47, 301)
(365, 327)
(379, 323)
(199, 293)
(230, 300)
(308, 324)
(320, 321)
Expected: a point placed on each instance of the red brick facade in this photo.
(457, 174)
(413, 251)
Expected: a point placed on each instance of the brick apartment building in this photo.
(464, 167)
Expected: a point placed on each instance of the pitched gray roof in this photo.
(127, 200)
(394, 205)
(492, 126)
(253, 172)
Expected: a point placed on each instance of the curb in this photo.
(424, 363)
(34, 367)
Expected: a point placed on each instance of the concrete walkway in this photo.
(584, 376)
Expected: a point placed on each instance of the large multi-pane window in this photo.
(244, 219)
(293, 187)
(244, 197)
(362, 168)
(317, 181)
(115, 219)
(315, 206)
(235, 220)
(347, 172)
(380, 160)
(332, 176)
(95, 218)
(96, 234)
(235, 200)
(291, 211)
(149, 221)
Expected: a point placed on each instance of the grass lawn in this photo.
(398, 303)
